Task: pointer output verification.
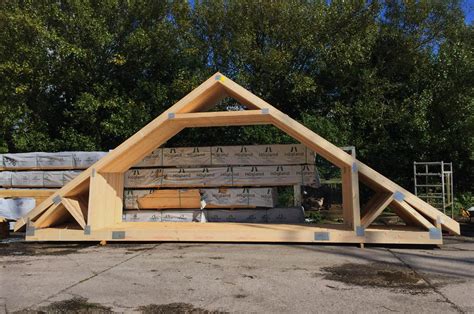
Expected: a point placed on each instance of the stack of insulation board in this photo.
(282, 175)
(216, 166)
(200, 198)
(49, 161)
(254, 155)
(28, 178)
(43, 170)
(217, 205)
(235, 183)
(222, 177)
(267, 215)
(36, 179)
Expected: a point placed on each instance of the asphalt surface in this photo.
(204, 277)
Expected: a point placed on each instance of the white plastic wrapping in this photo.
(6, 179)
(16, 208)
(187, 156)
(162, 216)
(28, 179)
(274, 215)
(223, 176)
(55, 160)
(40, 160)
(36, 179)
(238, 197)
(23, 160)
(83, 160)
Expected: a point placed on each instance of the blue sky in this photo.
(468, 8)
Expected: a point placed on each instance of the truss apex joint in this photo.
(220, 77)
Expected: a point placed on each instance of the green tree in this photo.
(393, 78)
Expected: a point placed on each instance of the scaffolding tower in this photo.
(434, 184)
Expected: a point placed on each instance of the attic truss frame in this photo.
(95, 197)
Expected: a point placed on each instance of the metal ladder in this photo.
(434, 184)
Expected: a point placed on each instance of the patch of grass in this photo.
(315, 216)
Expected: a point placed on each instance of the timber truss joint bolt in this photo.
(57, 199)
(220, 78)
(354, 167)
(398, 196)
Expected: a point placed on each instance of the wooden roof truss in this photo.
(94, 198)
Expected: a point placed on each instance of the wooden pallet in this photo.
(94, 198)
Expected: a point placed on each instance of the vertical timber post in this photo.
(350, 196)
(105, 200)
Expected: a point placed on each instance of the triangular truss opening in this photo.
(70, 211)
(381, 202)
(58, 216)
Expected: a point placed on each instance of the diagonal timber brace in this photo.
(375, 207)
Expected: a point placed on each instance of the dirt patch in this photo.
(74, 305)
(240, 296)
(140, 249)
(383, 275)
(173, 308)
(30, 249)
(185, 246)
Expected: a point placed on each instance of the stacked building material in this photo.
(49, 161)
(197, 198)
(272, 215)
(256, 155)
(281, 175)
(182, 198)
(36, 179)
(178, 180)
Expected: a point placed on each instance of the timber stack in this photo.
(237, 182)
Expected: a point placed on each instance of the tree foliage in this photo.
(393, 78)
